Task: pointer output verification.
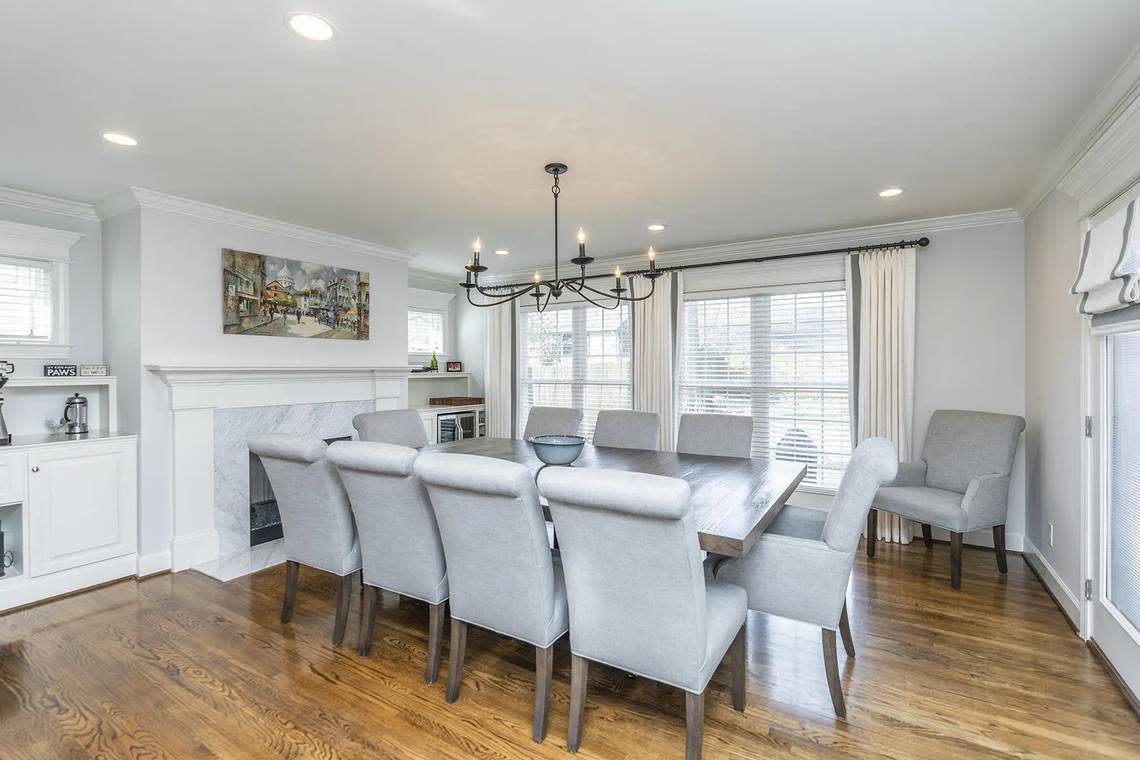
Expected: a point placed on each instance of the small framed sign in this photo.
(93, 370)
(455, 366)
(59, 370)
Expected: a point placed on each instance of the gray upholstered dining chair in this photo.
(639, 599)
(715, 435)
(552, 420)
(626, 429)
(502, 574)
(399, 540)
(961, 484)
(802, 563)
(315, 517)
(403, 427)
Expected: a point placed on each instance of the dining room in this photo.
(450, 378)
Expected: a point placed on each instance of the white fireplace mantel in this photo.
(196, 391)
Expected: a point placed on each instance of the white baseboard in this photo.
(1066, 599)
(17, 592)
(149, 564)
(187, 551)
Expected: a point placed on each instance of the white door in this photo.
(1114, 520)
(80, 505)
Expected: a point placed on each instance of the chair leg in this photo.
(543, 668)
(956, 560)
(927, 536)
(845, 632)
(292, 576)
(831, 667)
(872, 532)
(343, 600)
(694, 725)
(579, 670)
(368, 597)
(739, 655)
(436, 614)
(455, 659)
(999, 548)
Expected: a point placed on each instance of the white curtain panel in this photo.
(500, 398)
(655, 333)
(1109, 274)
(886, 361)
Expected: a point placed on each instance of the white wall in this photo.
(1055, 435)
(471, 333)
(172, 263)
(970, 338)
(86, 284)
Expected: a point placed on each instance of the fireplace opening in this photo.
(264, 519)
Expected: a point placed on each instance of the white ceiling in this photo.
(426, 122)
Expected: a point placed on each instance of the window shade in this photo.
(1123, 584)
(782, 358)
(425, 331)
(1109, 274)
(25, 301)
(577, 356)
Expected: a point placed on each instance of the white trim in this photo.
(149, 564)
(429, 300)
(877, 233)
(429, 278)
(10, 196)
(1083, 156)
(27, 241)
(142, 198)
(1070, 606)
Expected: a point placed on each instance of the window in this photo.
(782, 358)
(1123, 492)
(575, 356)
(425, 331)
(25, 301)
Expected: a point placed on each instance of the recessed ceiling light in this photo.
(656, 227)
(502, 252)
(120, 139)
(890, 192)
(311, 26)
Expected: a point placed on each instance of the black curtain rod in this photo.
(921, 242)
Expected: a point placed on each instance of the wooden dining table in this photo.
(733, 500)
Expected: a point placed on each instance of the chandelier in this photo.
(542, 291)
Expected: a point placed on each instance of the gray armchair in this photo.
(315, 516)
(403, 427)
(500, 570)
(552, 420)
(961, 484)
(715, 435)
(802, 563)
(399, 539)
(638, 596)
(625, 429)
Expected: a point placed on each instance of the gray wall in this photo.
(1054, 437)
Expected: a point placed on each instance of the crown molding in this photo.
(429, 280)
(142, 198)
(852, 236)
(1108, 129)
(10, 196)
(27, 240)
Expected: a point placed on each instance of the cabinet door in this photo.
(81, 505)
(430, 428)
(12, 469)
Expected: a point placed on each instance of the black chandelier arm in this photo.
(628, 299)
(490, 290)
(501, 301)
(576, 289)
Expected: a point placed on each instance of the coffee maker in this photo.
(75, 415)
(6, 368)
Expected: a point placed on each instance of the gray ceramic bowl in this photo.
(557, 449)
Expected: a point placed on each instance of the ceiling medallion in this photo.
(500, 294)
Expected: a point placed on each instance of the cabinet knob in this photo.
(35, 468)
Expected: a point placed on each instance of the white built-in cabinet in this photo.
(69, 512)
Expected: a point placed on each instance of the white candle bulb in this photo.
(581, 235)
(477, 246)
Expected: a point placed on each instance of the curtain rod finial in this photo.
(923, 242)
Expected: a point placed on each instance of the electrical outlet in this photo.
(1050, 534)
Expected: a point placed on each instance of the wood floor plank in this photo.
(182, 666)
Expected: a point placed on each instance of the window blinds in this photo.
(576, 356)
(782, 358)
(425, 331)
(25, 301)
(1124, 478)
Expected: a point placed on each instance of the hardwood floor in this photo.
(181, 666)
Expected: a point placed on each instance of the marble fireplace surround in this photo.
(214, 407)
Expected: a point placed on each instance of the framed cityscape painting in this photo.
(268, 295)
